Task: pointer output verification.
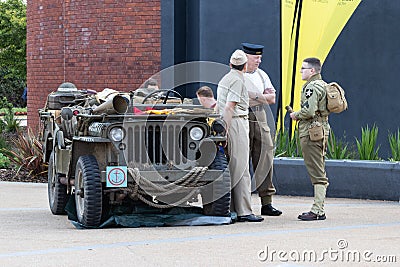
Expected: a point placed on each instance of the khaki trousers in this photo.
(238, 149)
(313, 154)
(261, 153)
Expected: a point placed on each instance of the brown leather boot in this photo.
(311, 216)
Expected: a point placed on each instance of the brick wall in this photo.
(93, 44)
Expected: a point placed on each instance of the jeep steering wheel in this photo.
(163, 92)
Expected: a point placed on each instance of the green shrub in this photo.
(9, 123)
(14, 110)
(4, 161)
(13, 50)
(11, 87)
(27, 155)
(337, 148)
(366, 147)
(282, 138)
(394, 141)
(2, 126)
(287, 146)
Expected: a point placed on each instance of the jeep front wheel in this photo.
(88, 191)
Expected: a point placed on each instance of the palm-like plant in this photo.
(287, 146)
(394, 141)
(337, 149)
(366, 147)
(27, 155)
(281, 143)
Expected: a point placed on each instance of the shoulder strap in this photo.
(262, 79)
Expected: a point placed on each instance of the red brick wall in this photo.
(93, 44)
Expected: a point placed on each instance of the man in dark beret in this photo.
(261, 94)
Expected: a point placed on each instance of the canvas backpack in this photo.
(336, 101)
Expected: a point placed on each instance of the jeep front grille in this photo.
(158, 143)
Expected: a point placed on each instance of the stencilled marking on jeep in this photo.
(87, 139)
(91, 139)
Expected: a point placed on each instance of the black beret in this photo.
(252, 49)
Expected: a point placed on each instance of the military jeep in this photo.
(110, 150)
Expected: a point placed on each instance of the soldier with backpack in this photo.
(313, 133)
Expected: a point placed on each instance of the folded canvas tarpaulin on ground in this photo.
(146, 216)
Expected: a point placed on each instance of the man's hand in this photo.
(269, 91)
(269, 95)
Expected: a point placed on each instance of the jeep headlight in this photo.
(117, 134)
(196, 133)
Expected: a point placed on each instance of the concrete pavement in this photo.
(356, 233)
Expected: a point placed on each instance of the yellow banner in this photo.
(339, 17)
(289, 12)
(319, 25)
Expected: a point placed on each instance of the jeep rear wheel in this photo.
(88, 191)
(56, 191)
(220, 202)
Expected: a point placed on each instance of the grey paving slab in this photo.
(356, 233)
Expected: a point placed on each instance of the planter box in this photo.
(359, 179)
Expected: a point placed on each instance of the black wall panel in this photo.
(365, 58)
(366, 61)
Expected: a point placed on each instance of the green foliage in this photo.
(282, 138)
(12, 87)
(367, 148)
(287, 146)
(4, 161)
(28, 155)
(13, 37)
(394, 141)
(9, 122)
(12, 124)
(14, 110)
(367, 145)
(3, 142)
(2, 126)
(12, 50)
(337, 148)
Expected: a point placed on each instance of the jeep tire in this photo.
(218, 201)
(57, 192)
(88, 191)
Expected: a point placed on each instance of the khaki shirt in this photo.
(313, 105)
(231, 89)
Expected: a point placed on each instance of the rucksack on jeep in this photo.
(336, 101)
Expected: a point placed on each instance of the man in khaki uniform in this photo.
(261, 93)
(313, 110)
(232, 104)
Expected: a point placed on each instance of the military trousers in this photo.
(261, 153)
(314, 159)
(238, 149)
